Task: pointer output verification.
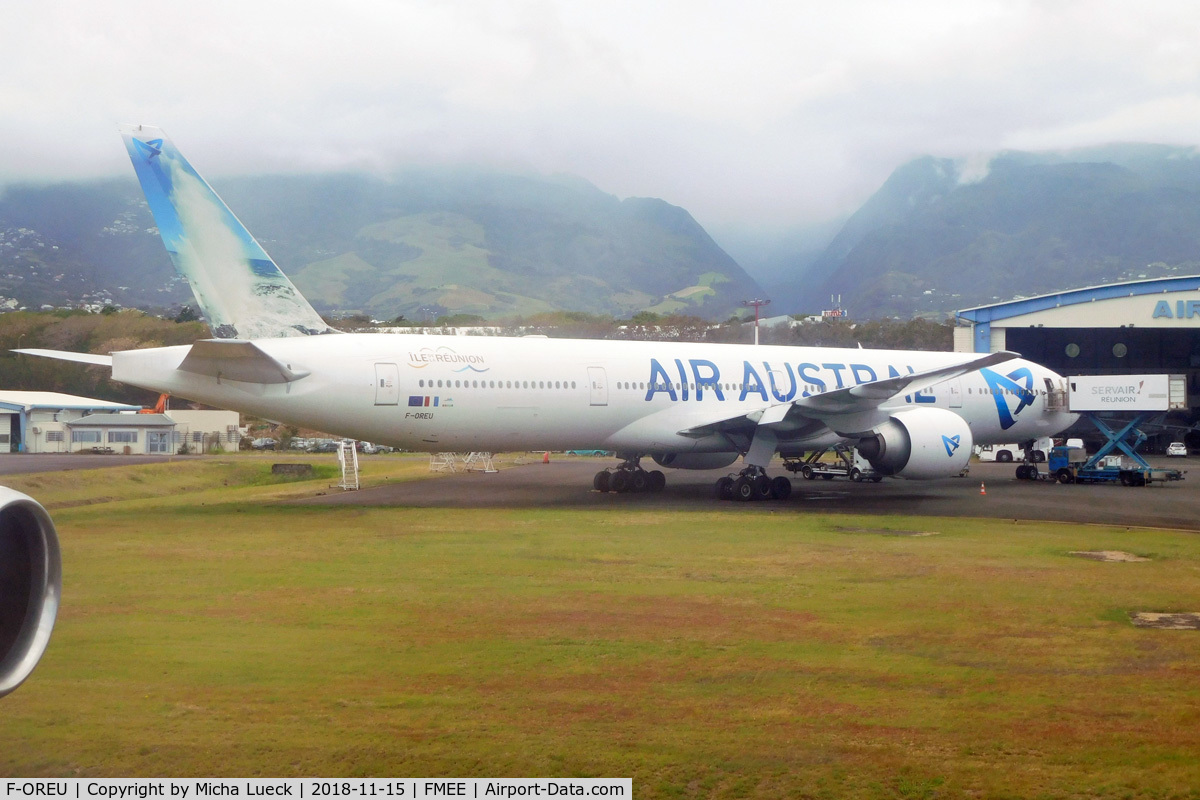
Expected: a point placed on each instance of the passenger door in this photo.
(597, 386)
(387, 385)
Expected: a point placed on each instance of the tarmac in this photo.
(568, 484)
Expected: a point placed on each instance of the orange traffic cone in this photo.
(546, 458)
(982, 489)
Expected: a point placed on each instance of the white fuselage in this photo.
(448, 393)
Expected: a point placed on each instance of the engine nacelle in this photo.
(919, 443)
(694, 460)
(30, 585)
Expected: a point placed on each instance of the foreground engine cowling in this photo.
(919, 443)
(30, 585)
(694, 460)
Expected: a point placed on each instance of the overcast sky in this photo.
(745, 113)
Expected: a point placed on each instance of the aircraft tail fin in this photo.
(241, 291)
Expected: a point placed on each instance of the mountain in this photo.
(777, 258)
(942, 235)
(419, 244)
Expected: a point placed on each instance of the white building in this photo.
(50, 422)
(36, 422)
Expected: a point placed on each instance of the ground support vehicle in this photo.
(1073, 465)
(1033, 451)
(848, 464)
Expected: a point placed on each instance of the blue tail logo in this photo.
(1017, 385)
(151, 149)
(951, 443)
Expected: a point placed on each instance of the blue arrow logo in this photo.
(1003, 387)
(951, 443)
(151, 149)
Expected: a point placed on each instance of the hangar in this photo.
(1143, 326)
(50, 422)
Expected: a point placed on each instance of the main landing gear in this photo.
(752, 483)
(629, 477)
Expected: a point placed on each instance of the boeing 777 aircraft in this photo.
(686, 406)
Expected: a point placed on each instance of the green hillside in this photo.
(421, 244)
(936, 239)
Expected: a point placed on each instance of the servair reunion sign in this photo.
(1119, 392)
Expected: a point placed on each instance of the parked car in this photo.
(324, 447)
(1177, 449)
(265, 443)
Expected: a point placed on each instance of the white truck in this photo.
(1005, 453)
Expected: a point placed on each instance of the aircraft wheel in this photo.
(658, 481)
(1021, 472)
(1031, 472)
(781, 488)
(807, 472)
(639, 481)
(618, 481)
(743, 489)
(876, 478)
(724, 488)
(856, 475)
(600, 482)
(762, 487)
(1064, 476)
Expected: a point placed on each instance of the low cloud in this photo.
(766, 113)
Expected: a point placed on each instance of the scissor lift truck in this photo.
(1132, 398)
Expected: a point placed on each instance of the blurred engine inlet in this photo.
(30, 585)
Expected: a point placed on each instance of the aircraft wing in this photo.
(867, 396)
(825, 409)
(232, 359)
(65, 355)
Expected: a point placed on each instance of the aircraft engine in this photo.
(695, 460)
(919, 443)
(30, 585)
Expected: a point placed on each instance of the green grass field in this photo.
(209, 630)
